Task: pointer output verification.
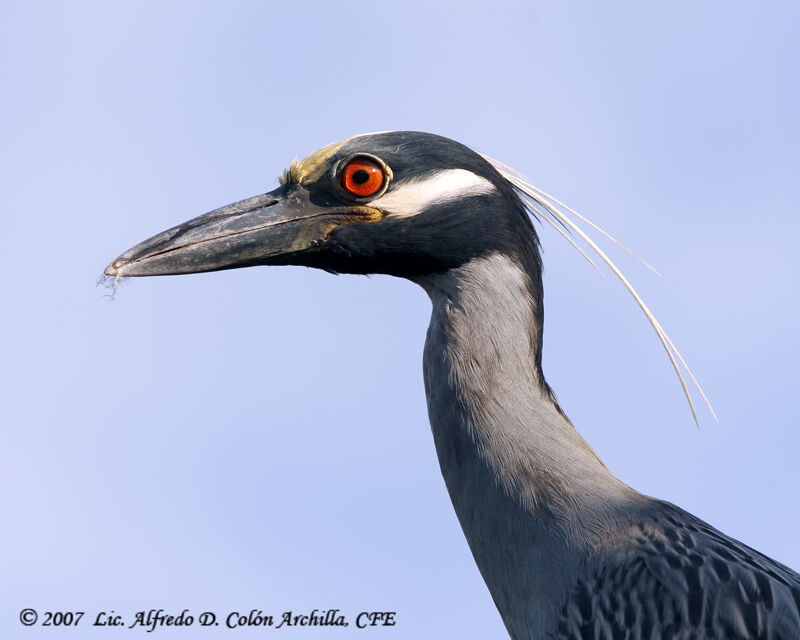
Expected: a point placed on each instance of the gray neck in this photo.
(530, 494)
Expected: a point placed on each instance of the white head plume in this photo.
(557, 214)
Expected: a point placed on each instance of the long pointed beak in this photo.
(272, 228)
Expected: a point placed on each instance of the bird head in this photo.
(401, 203)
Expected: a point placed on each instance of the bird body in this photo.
(566, 549)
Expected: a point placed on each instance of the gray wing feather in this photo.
(672, 575)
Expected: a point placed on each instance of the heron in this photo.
(565, 548)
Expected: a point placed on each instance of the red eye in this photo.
(362, 177)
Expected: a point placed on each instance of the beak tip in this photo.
(113, 269)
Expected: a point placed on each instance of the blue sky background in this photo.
(259, 438)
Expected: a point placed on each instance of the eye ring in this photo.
(362, 177)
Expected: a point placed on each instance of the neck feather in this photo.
(529, 492)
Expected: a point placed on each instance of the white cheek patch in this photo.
(412, 197)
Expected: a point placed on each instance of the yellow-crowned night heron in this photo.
(566, 549)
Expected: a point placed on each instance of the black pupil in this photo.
(360, 176)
